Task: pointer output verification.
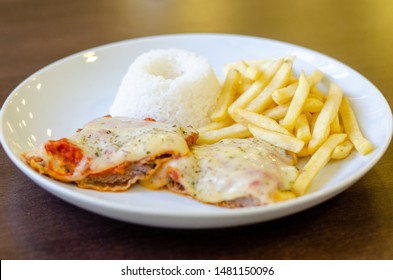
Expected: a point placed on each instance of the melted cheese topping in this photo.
(108, 142)
(234, 169)
(112, 141)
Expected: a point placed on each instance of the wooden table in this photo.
(357, 224)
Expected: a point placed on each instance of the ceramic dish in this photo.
(60, 98)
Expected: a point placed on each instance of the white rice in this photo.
(168, 85)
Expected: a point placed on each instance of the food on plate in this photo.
(170, 85)
(233, 131)
(317, 161)
(287, 142)
(111, 154)
(249, 133)
(352, 128)
(274, 104)
(295, 106)
(227, 95)
(231, 173)
(342, 150)
(325, 118)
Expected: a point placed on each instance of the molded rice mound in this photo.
(171, 85)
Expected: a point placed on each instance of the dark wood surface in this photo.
(357, 224)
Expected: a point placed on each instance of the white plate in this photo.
(63, 96)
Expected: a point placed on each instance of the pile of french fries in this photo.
(266, 100)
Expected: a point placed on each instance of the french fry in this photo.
(247, 117)
(343, 150)
(271, 68)
(244, 85)
(304, 152)
(309, 117)
(335, 126)
(279, 80)
(227, 96)
(326, 116)
(277, 139)
(243, 100)
(295, 107)
(312, 105)
(240, 66)
(272, 105)
(279, 112)
(302, 129)
(252, 73)
(234, 131)
(215, 125)
(292, 80)
(317, 161)
(313, 121)
(314, 78)
(362, 145)
(296, 116)
(283, 196)
(276, 113)
(285, 94)
(317, 94)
